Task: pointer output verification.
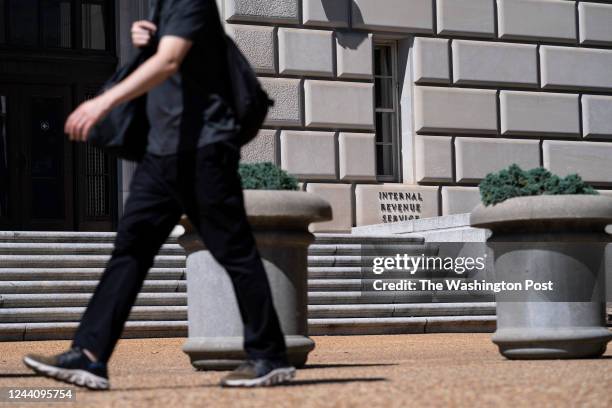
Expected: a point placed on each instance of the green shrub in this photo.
(266, 176)
(516, 182)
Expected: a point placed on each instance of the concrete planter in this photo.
(560, 239)
(280, 222)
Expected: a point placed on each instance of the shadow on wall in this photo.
(334, 12)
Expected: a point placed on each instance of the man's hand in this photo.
(84, 117)
(165, 63)
(142, 32)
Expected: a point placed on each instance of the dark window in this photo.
(2, 22)
(98, 182)
(23, 22)
(4, 169)
(47, 167)
(71, 24)
(98, 179)
(56, 16)
(93, 25)
(386, 112)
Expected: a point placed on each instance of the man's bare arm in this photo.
(167, 60)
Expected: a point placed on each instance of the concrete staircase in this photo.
(341, 299)
(47, 278)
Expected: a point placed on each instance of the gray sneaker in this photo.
(72, 367)
(259, 373)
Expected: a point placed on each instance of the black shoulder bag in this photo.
(124, 130)
(250, 102)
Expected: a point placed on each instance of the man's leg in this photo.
(214, 204)
(149, 217)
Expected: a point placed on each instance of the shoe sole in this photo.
(80, 378)
(274, 377)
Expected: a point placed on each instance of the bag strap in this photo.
(155, 11)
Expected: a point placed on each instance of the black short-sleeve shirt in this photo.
(191, 109)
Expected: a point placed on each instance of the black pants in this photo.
(205, 186)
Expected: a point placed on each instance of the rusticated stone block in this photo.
(539, 114)
(430, 60)
(271, 11)
(340, 198)
(309, 155)
(466, 17)
(597, 116)
(550, 20)
(575, 68)
(459, 200)
(287, 94)
(595, 23)
(357, 152)
(325, 13)
(485, 63)
(354, 54)
(411, 16)
(257, 44)
(305, 52)
(590, 160)
(453, 110)
(476, 157)
(331, 104)
(261, 149)
(434, 159)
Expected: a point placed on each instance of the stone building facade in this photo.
(396, 109)
(390, 109)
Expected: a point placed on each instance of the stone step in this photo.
(321, 285)
(367, 286)
(65, 330)
(357, 260)
(151, 298)
(326, 260)
(341, 272)
(401, 310)
(109, 237)
(365, 249)
(22, 287)
(78, 261)
(401, 325)
(316, 327)
(78, 274)
(66, 236)
(337, 239)
(73, 314)
(360, 272)
(56, 236)
(359, 297)
(61, 248)
(168, 313)
(462, 296)
(326, 272)
(38, 300)
(330, 249)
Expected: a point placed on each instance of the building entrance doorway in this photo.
(53, 55)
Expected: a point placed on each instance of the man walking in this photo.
(190, 167)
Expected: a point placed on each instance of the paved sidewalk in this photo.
(371, 371)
